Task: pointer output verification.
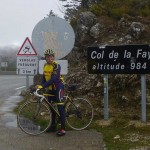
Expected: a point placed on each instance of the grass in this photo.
(122, 134)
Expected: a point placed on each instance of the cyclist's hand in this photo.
(39, 87)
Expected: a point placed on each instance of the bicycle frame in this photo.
(44, 96)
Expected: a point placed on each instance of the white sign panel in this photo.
(4, 64)
(27, 65)
(26, 71)
(63, 64)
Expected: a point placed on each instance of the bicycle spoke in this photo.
(79, 114)
(34, 118)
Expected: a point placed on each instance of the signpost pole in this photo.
(106, 115)
(27, 81)
(143, 98)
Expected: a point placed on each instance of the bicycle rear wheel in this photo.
(34, 117)
(79, 114)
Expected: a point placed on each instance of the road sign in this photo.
(27, 60)
(26, 71)
(27, 65)
(123, 59)
(4, 64)
(27, 49)
(63, 64)
(53, 33)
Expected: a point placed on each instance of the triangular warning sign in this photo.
(27, 49)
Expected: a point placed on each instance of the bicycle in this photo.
(34, 116)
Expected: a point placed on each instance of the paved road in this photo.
(15, 139)
(12, 138)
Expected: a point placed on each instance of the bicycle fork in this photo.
(37, 110)
(39, 103)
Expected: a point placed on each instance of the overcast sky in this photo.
(19, 17)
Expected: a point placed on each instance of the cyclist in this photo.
(53, 80)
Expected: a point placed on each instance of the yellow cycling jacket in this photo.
(51, 76)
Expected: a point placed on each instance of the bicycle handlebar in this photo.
(37, 94)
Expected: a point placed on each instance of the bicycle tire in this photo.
(34, 118)
(79, 114)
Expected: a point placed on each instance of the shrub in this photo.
(117, 8)
(98, 10)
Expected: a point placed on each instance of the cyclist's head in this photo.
(49, 56)
(49, 52)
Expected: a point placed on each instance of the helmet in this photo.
(49, 52)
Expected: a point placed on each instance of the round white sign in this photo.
(53, 33)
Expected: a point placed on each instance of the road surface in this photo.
(12, 138)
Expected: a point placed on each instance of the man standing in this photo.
(53, 80)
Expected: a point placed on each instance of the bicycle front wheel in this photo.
(34, 117)
(79, 114)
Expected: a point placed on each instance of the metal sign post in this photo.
(27, 81)
(143, 99)
(106, 115)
